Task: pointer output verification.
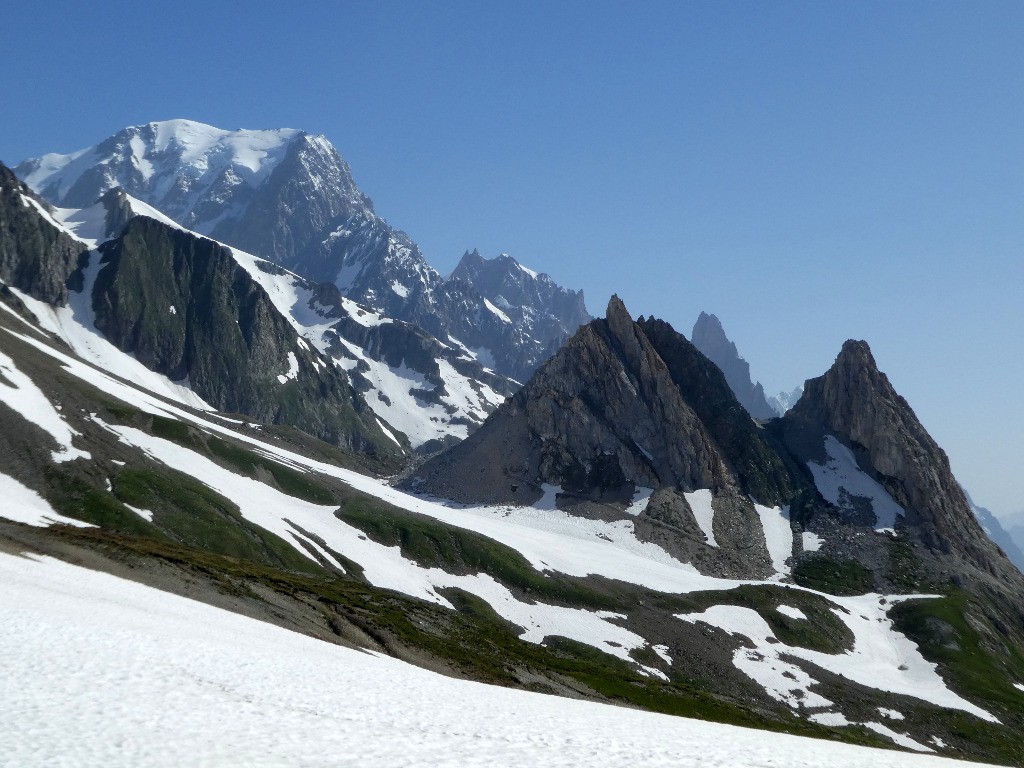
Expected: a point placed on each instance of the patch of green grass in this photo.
(833, 576)
(71, 494)
(174, 430)
(433, 544)
(943, 632)
(476, 607)
(122, 414)
(193, 514)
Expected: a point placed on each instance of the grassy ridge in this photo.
(981, 668)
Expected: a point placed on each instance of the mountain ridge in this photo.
(622, 528)
(289, 197)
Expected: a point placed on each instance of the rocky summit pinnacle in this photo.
(709, 337)
(627, 405)
(855, 402)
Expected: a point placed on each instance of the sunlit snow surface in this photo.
(23, 505)
(881, 658)
(841, 477)
(19, 392)
(178, 160)
(102, 671)
(778, 536)
(703, 513)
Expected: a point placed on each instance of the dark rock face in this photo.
(855, 402)
(755, 462)
(939, 538)
(185, 308)
(624, 405)
(709, 337)
(35, 256)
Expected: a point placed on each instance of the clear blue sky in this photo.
(808, 171)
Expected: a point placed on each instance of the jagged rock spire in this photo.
(855, 401)
(709, 337)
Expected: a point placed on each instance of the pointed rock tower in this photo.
(709, 337)
(855, 402)
(626, 406)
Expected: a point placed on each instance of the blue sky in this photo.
(808, 171)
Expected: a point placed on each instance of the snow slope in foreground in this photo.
(101, 671)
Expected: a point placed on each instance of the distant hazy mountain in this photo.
(1014, 526)
(1000, 535)
(709, 337)
(783, 401)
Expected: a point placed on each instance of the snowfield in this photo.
(97, 670)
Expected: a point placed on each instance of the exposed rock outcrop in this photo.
(855, 402)
(35, 256)
(184, 307)
(627, 405)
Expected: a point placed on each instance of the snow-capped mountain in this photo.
(289, 197)
(173, 300)
(783, 401)
(198, 175)
(536, 314)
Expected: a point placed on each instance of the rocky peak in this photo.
(513, 287)
(624, 331)
(709, 337)
(855, 401)
(626, 405)
(708, 332)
